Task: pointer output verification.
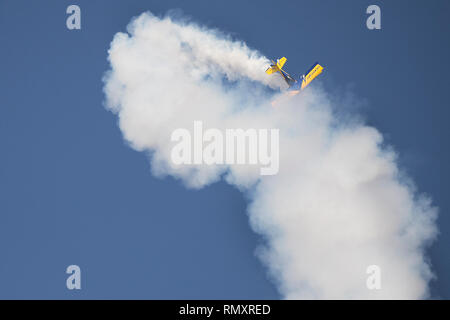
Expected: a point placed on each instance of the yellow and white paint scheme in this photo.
(315, 70)
(295, 86)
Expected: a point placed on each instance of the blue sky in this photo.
(72, 192)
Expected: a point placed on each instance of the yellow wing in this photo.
(312, 73)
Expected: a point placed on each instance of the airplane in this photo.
(295, 86)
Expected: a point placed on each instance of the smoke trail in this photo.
(338, 203)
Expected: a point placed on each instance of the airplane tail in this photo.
(272, 69)
(276, 67)
(281, 62)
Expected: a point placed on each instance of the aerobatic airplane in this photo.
(295, 86)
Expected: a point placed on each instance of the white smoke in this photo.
(338, 203)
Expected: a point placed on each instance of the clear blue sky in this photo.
(72, 192)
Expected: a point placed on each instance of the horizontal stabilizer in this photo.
(276, 67)
(281, 62)
(271, 70)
